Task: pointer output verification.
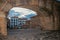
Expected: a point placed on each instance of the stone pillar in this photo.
(3, 24)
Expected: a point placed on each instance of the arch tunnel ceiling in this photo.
(21, 13)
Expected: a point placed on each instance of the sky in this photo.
(58, 0)
(21, 13)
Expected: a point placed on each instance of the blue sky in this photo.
(21, 12)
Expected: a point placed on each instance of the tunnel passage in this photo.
(19, 17)
(43, 19)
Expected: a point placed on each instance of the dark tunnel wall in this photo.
(47, 18)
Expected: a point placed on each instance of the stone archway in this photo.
(42, 15)
(18, 16)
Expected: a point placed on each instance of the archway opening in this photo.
(19, 17)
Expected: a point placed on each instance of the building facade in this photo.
(16, 22)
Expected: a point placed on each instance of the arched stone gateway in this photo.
(18, 16)
(43, 8)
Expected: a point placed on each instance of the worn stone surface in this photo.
(32, 34)
(3, 24)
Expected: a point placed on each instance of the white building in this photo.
(16, 22)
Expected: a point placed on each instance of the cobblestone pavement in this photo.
(32, 34)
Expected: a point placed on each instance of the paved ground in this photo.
(32, 34)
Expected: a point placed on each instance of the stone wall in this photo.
(3, 24)
(46, 17)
